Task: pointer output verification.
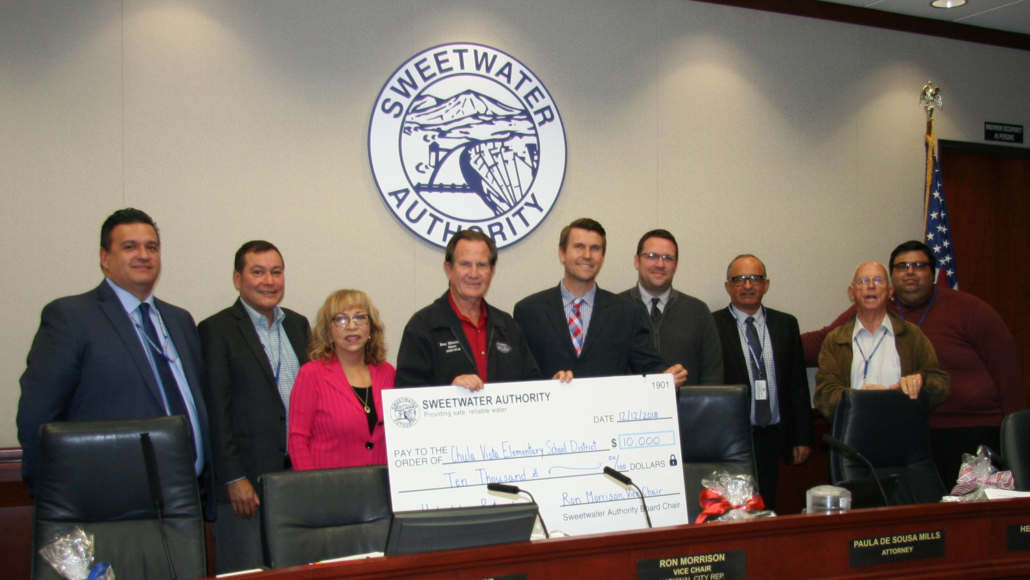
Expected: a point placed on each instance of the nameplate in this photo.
(445, 444)
(897, 548)
(1003, 132)
(714, 566)
(1019, 537)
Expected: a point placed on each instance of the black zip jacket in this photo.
(434, 349)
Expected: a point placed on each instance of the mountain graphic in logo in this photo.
(470, 144)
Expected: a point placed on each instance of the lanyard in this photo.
(158, 350)
(865, 371)
(925, 312)
(758, 362)
(279, 362)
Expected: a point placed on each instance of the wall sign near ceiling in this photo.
(1002, 132)
(465, 136)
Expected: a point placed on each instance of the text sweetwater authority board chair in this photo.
(93, 475)
(322, 514)
(893, 432)
(1015, 446)
(715, 434)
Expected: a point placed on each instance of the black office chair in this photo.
(893, 432)
(715, 434)
(321, 514)
(93, 475)
(1015, 447)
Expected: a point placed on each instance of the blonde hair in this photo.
(321, 345)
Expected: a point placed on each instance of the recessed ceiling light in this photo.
(947, 3)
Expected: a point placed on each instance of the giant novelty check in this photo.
(445, 444)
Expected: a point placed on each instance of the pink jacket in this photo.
(328, 425)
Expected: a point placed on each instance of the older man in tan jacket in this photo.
(876, 350)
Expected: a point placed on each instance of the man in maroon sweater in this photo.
(973, 345)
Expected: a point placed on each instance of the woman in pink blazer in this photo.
(336, 407)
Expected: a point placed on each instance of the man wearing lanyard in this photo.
(973, 345)
(877, 349)
(253, 351)
(115, 352)
(761, 347)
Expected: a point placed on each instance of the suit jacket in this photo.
(618, 339)
(791, 376)
(248, 418)
(87, 364)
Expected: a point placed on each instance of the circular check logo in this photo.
(464, 136)
(404, 412)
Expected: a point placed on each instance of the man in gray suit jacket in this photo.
(115, 352)
(253, 351)
(681, 325)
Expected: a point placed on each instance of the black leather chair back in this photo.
(892, 431)
(1015, 446)
(715, 434)
(320, 514)
(92, 475)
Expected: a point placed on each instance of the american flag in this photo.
(937, 232)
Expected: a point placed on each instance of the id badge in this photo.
(761, 390)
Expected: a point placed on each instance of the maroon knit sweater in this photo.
(973, 345)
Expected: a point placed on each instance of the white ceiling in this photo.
(1010, 15)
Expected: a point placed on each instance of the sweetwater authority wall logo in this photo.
(404, 412)
(465, 136)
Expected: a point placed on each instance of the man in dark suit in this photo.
(253, 351)
(115, 352)
(761, 347)
(579, 327)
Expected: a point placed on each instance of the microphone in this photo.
(515, 490)
(625, 480)
(503, 488)
(852, 453)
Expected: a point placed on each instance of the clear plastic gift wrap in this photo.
(977, 474)
(729, 498)
(71, 555)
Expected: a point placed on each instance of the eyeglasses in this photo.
(755, 279)
(343, 320)
(902, 266)
(866, 280)
(655, 257)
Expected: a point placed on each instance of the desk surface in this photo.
(974, 538)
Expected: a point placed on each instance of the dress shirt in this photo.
(884, 364)
(767, 357)
(646, 298)
(131, 305)
(586, 308)
(281, 357)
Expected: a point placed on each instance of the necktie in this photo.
(576, 326)
(176, 404)
(763, 413)
(656, 315)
